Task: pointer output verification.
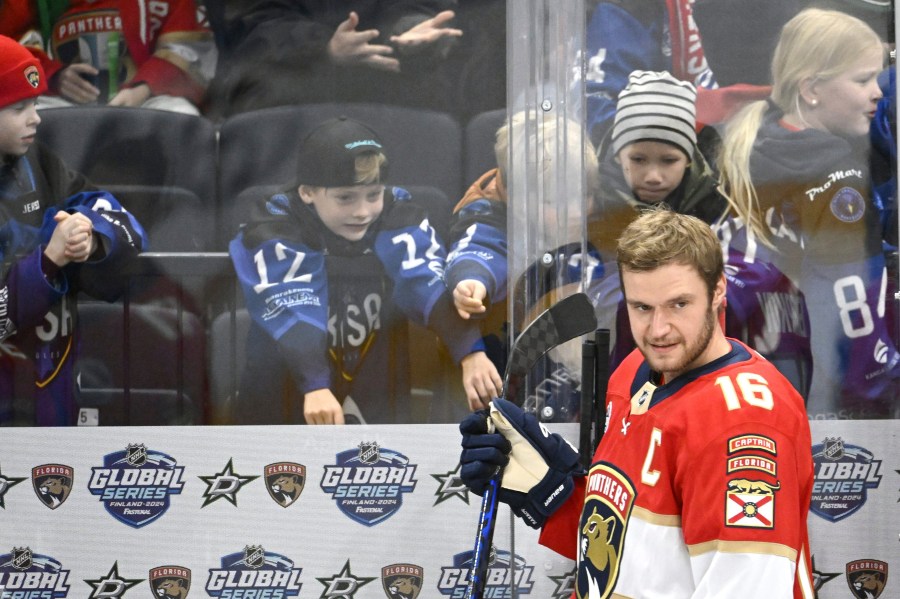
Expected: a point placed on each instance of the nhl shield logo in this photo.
(833, 448)
(136, 455)
(285, 482)
(22, 558)
(52, 483)
(170, 582)
(402, 581)
(368, 453)
(867, 578)
(254, 556)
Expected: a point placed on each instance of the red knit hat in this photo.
(21, 75)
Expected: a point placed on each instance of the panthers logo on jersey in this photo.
(609, 499)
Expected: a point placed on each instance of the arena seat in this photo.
(259, 148)
(162, 165)
(143, 366)
(478, 143)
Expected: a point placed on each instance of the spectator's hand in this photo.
(468, 298)
(427, 32)
(72, 239)
(74, 87)
(481, 380)
(131, 96)
(322, 407)
(351, 47)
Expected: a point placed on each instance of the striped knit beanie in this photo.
(655, 106)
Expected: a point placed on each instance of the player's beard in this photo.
(692, 351)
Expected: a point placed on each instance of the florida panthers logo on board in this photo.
(402, 581)
(285, 482)
(26, 574)
(170, 582)
(368, 483)
(135, 484)
(867, 578)
(609, 499)
(254, 572)
(52, 483)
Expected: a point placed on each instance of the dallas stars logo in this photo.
(820, 578)
(565, 585)
(6, 483)
(451, 485)
(224, 484)
(342, 585)
(112, 585)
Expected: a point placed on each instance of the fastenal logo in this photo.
(52, 483)
(111, 586)
(135, 484)
(368, 483)
(170, 582)
(254, 572)
(498, 581)
(224, 485)
(844, 475)
(26, 575)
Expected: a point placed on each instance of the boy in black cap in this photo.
(58, 237)
(296, 260)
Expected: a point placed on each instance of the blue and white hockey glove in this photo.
(539, 466)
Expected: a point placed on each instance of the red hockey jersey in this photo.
(699, 488)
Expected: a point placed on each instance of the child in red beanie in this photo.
(59, 236)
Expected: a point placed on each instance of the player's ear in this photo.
(306, 193)
(718, 298)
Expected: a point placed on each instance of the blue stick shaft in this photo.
(481, 553)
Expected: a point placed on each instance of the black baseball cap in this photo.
(328, 154)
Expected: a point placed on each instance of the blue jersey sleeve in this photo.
(285, 287)
(479, 248)
(414, 258)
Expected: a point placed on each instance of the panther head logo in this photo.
(52, 483)
(404, 587)
(597, 541)
(867, 578)
(171, 588)
(285, 482)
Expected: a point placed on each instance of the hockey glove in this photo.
(539, 470)
(484, 452)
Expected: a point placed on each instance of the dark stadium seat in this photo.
(259, 148)
(162, 161)
(144, 366)
(478, 143)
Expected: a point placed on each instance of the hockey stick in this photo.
(570, 317)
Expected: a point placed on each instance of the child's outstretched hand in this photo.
(322, 407)
(468, 298)
(481, 380)
(72, 240)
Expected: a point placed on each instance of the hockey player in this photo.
(341, 210)
(58, 237)
(701, 484)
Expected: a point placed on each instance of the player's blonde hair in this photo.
(660, 236)
(369, 168)
(815, 44)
